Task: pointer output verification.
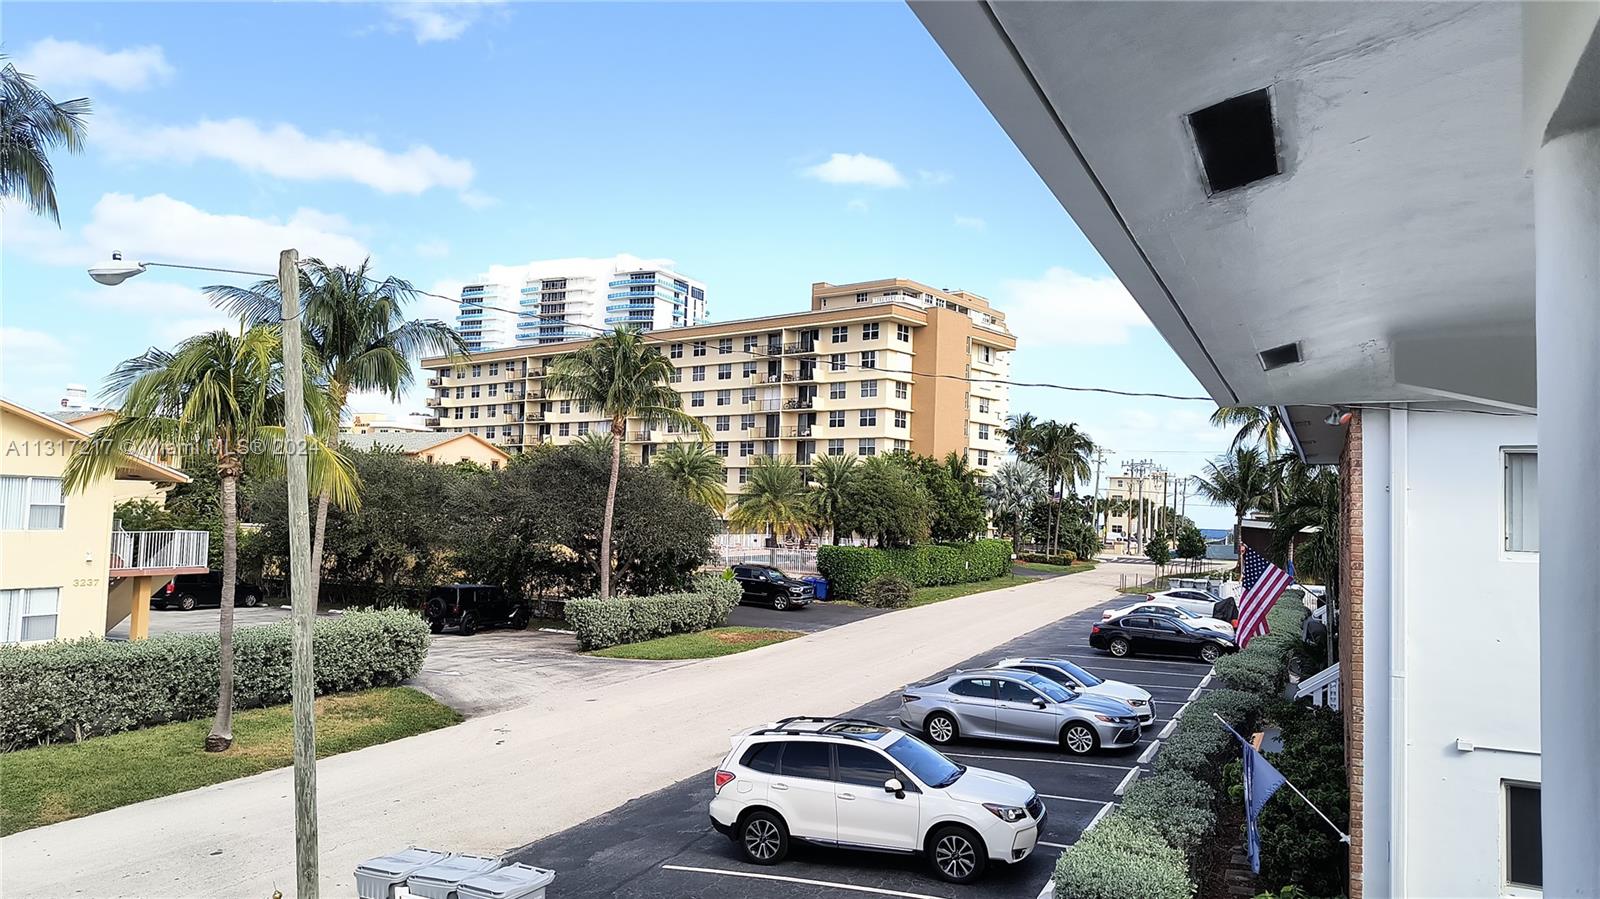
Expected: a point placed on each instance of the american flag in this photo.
(1263, 583)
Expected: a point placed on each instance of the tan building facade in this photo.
(436, 447)
(1122, 524)
(872, 367)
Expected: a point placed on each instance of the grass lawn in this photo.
(706, 644)
(922, 596)
(69, 780)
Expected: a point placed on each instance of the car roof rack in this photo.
(829, 725)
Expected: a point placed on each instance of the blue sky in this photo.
(760, 146)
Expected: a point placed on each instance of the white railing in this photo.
(145, 550)
(792, 561)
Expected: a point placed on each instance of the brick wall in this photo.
(1351, 635)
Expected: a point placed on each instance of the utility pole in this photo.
(302, 676)
(1099, 457)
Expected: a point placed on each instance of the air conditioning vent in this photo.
(1279, 356)
(1237, 141)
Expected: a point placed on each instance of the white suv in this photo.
(861, 785)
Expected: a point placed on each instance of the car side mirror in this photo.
(1038, 702)
(893, 785)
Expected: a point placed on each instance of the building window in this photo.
(27, 615)
(747, 422)
(869, 388)
(983, 432)
(901, 390)
(583, 428)
(494, 369)
(494, 389)
(475, 390)
(564, 429)
(721, 448)
(698, 373)
(725, 371)
(1524, 852)
(861, 298)
(676, 377)
(867, 446)
(724, 346)
(747, 396)
(902, 333)
(836, 362)
(31, 504)
(1522, 500)
(461, 392)
(748, 370)
(566, 407)
(460, 410)
(836, 419)
(697, 399)
(839, 334)
(836, 447)
(899, 419)
(477, 370)
(750, 343)
(699, 348)
(724, 397)
(722, 422)
(747, 448)
(583, 406)
(472, 411)
(985, 354)
(675, 351)
(869, 331)
(744, 475)
(983, 458)
(869, 359)
(836, 390)
(869, 418)
(983, 405)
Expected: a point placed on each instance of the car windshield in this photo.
(1050, 688)
(924, 762)
(1078, 674)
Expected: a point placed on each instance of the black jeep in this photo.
(467, 607)
(769, 586)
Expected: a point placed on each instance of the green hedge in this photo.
(1177, 806)
(1066, 557)
(850, 568)
(1122, 857)
(75, 689)
(633, 619)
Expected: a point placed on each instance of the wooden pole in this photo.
(301, 600)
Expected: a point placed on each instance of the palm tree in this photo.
(1064, 453)
(774, 499)
(1240, 479)
(830, 475)
(1308, 497)
(1020, 433)
(1256, 423)
(356, 325)
(623, 377)
(1015, 488)
(696, 471)
(223, 393)
(31, 126)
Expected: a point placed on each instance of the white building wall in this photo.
(1465, 666)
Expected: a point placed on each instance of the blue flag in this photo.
(1289, 570)
(1261, 780)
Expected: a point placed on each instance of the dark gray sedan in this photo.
(1009, 704)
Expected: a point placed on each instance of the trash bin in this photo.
(376, 878)
(820, 584)
(440, 880)
(517, 881)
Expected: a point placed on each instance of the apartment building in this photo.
(1133, 500)
(871, 368)
(568, 299)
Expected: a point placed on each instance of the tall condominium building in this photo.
(571, 299)
(871, 368)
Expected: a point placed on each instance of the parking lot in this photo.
(662, 844)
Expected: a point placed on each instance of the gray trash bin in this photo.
(376, 878)
(440, 880)
(511, 882)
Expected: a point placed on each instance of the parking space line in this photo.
(1014, 758)
(1127, 782)
(1070, 799)
(878, 891)
(1147, 671)
(1143, 661)
(1053, 845)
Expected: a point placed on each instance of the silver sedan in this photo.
(1009, 704)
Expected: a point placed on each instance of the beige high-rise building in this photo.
(871, 368)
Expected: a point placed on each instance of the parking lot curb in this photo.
(1149, 753)
(1133, 775)
(1049, 889)
(1167, 729)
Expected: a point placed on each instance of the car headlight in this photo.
(1010, 814)
(1106, 718)
(1136, 703)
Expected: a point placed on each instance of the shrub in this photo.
(887, 592)
(75, 689)
(1121, 857)
(1200, 745)
(633, 619)
(1062, 558)
(1177, 806)
(850, 568)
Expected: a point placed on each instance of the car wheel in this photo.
(1078, 738)
(519, 618)
(763, 838)
(468, 625)
(436, 625)
(780, 602)
(250, 601)
(957, 854)
(941, 728)
(1210, 653)
(1119, 647)
(186, 603)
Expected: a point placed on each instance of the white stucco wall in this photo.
(1467, 667)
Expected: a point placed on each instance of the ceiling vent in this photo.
(1236, 140)
(1279, 356)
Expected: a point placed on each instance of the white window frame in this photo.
(1506, 552)
(28, 504)
(1507, 888)
(12, 603)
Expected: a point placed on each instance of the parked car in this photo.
(468, 607)
(1078, 680)
(1142, 633)
(861, 785)
(1171, 610)
(1197, 601)
(1011, 704)
(768, 586)
(186, 591)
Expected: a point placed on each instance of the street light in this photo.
(302, 677)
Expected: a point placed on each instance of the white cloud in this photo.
(57, 64)
(856, 168)
(931, 177)
(27, 343)
(432, 249)
(441, 309)
(169, 332)
(436, 21)
(164, 229)
(144, 296)
(285, 151)
(1064, 307)
(970, 221)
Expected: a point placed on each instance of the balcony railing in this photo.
(435, 382)
(163, 552)
(797, 404)
(797, 431)
(431, 422)
(433, 401)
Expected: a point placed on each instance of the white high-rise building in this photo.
(570, 299)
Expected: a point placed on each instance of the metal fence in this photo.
(790, 560)
(1127, 580)
(137, 550)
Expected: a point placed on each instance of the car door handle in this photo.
(847, 795)
(780, 786)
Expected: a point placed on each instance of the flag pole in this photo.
(1343, 837)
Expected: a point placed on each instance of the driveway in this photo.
(202, 620)
(526, 773)
(819, 616)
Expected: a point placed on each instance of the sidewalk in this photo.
(503, 780)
